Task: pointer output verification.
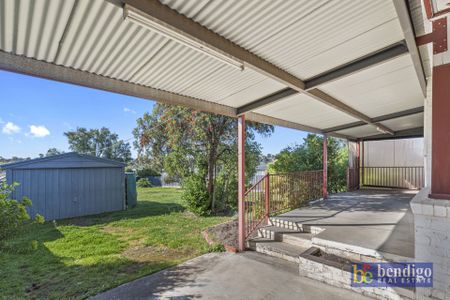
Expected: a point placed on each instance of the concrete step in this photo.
(300, 239)
(354, 252)
(319, 238)
(289, 236)
(277, 249)
(286, 224)
(274, 232)
(292, 225)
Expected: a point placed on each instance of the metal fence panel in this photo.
(393, 177)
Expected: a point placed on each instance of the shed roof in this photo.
(347, 61)
(66, 160)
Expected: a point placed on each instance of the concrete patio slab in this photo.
(247, 275)
(372, 219)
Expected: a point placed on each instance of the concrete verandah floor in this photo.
(379, 221)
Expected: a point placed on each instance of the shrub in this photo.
(144, 183)
(129, 169)
(145, 172)
(195, 195)
(13, 213)
(216, 248)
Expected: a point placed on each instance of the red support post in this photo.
(325, 167)
(348, 179)
(357, 167)
(241, 182)
(362, 163)
(440, 138)
(266, 183)
(440, 127)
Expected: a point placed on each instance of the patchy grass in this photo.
(80, 257)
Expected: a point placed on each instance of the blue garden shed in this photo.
(69, 185)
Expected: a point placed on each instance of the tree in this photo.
(268, 158)
(99, 142)
(51, 152)
(308, 156)
(4, 160)
(201, 149)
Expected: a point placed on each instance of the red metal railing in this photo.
(393, 177)
(293, 190)
(277, 193)
(255, 208)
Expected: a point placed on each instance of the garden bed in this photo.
(225, 234)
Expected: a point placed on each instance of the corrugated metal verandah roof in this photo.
(346, 68)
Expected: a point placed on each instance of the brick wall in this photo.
(432, 242)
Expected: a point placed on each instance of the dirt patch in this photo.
(151, 254)
(318, 256)
(224, 234)
(117, 230)
(190, 215)
(125, 234)
(332, 257)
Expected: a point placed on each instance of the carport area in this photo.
(355, 70)
(371, 222)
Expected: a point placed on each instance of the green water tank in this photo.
(131, 193)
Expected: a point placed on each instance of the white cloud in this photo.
(39, 131)
(129, 110)
(10, 128)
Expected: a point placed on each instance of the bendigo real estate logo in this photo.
(405, 274)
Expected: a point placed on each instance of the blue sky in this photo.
(34, 114)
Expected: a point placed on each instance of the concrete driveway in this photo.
(229, 276)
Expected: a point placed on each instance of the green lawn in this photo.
(80, 257)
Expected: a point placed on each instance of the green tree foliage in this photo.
(146, 172)
(201, 149)
(13, 213)
(51, 152)
(144, 183)
(99, 142)
(13, 159)
(308, 156)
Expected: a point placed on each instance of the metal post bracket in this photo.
(438, 36)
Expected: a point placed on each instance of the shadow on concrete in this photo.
(153, 286)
